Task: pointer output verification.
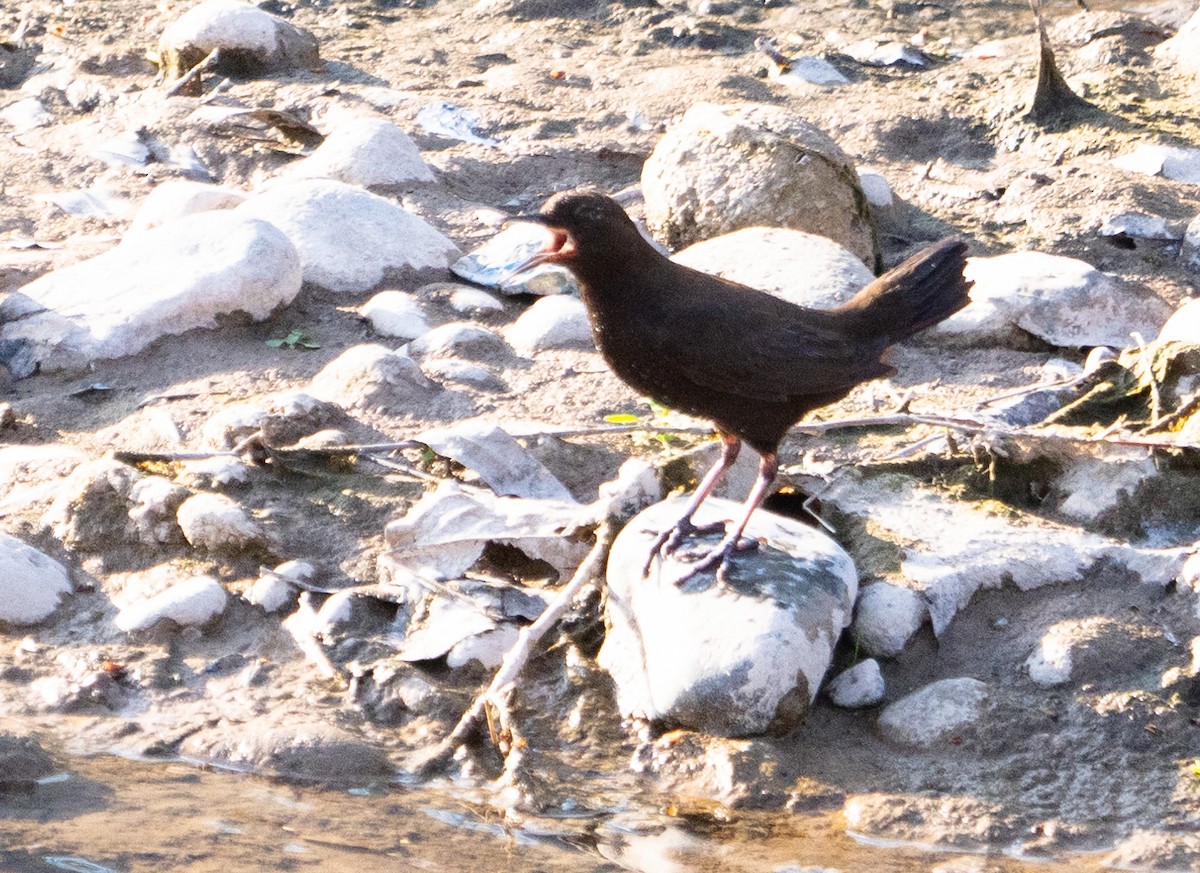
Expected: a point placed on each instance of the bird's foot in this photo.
(719, 556)
(669, 540)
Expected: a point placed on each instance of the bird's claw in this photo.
(719, 556)
(668, 541)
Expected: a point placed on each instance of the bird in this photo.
(749, 362)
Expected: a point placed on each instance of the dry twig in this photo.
(517, 657)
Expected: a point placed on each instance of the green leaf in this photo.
(621, 418)
(275, 343)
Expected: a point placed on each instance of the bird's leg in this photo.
(669, 540)
(732, 542)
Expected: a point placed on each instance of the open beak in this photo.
(558, 248)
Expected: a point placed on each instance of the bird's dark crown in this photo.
(584, 214)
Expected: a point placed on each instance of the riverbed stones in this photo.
(934, 714)
(887, 617)
(372, 376)
(1181, 52)
(350, 240)
(860, 685)
(1063, 301)
(460, 339)
(155, 500)
(669, 649)
(32, 584)
(168, 280)
(91, 509)
(1184, 325)
(371, 152)
(947, 550)
(178, 198)
(768, 258)
(195, 601)
(218, 524)
(395, 314)
(556, 322)
(722, 168)
(251, 40)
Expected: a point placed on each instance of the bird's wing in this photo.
(766, 351)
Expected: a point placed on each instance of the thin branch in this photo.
(213, 58)
(518, 656)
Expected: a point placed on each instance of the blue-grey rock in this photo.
(670, 648)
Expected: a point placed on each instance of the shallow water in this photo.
(113, 814)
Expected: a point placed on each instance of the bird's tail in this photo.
(917, 294)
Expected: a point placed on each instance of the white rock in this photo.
(809, 70)
(271, 593)
(1092, 487)
(722, 168)
(275, 590)
(25, 115)
(395, 314)
(229, 425)
(220, 471)
(218, 524)
(155, 502)
(1182, 51)
(371, 152)
(351, 240)
(954, 548)
(194, 601)
(1138, 225)
(178, 198)
(460, 339)
(252, 36)
(861, 685)
(31, 583)
(766, 258)
(880, 53)
(474, 301)
(1050, 663)
(1061, 300)
(669, 649)
(1184, 325)
(934, 713)
(877, 189)
(372, 376)
(556, 322)
(486, 649)
(168, 280)
(463, 372)
(1190, 251)
(887, 617)
(1155, 159)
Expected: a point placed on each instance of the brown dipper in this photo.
(751, 363)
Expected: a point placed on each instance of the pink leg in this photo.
(731, 542)
(669, 540)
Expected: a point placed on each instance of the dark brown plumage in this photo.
(749, 362)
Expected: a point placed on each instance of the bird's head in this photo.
(583, 225)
